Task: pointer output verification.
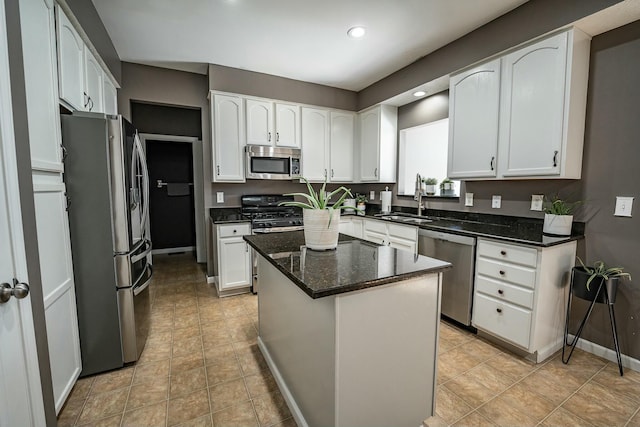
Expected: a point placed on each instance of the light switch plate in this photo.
(372, 195)
(220, 197)
(536, 202)
(623, 206)
(468, 199)
(496, 202)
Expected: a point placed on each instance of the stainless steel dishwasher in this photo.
(457, 283)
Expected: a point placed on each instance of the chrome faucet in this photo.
(418, 193)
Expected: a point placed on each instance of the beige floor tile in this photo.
(188, 407)
(203, 421)
(112, 380)
(454, 335)
(512, 366)
(148, 416)
(455, 362)
(555, 388)
(474, 419)
(527, 401)
(70, 412)
(502, 414)
(227, 394)
(483, 349)
(243, 331)
(563, 418)
(261, 383)
(472, 391)
(155, 352)
(227, 370)
(102, 405)
(187, 362)
(251, 360)
(492, 378)
(287, 423)
(449, 406)
(147, 393)
(240, 415)
(635, 420)
(187, 382)
(149, 371)
(112, 421)
(219, 354)
(601, 406)
(582, 365)
(186, 332)
(186, 345)
(627, 385)
(81, 388)
(271, 408)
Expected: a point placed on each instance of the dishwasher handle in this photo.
(447, 237)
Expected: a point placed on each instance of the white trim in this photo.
(173, 250)
(607, 353)
(211, 279)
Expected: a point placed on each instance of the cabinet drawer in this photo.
(502, 319)
(403, 231)
(375, 226)
(505, 292)
(509, 253)
(374, 237)
(517, 274)
(236, 229)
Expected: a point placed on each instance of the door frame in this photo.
(198, 186)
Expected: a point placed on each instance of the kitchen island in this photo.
(351, 334)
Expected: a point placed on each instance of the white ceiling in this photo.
(299, 39)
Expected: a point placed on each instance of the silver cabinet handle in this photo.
(269, 137)
(86, 98)
(555, 158)
(492, 161)
(19, 290)
(218, 168)
(331, 172)
(64, 152)
(325, 173)
(277, 136)
(375, 172)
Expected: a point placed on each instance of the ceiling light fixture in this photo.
(419, 93)
(356, 32)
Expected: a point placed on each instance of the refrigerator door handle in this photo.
(147, 249)
(145, 184)
(139, 288)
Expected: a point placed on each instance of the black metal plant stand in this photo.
(574, 342)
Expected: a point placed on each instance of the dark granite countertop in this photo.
(222, 215)
(500, 227)
(355, 264)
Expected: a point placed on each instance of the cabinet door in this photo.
(228, 138)
(287, 125)
(341, 148)
(110, 95)
(533, 99)
(94, 83)
(235, 268)
(346, 226)
(259, 116)
(370, 144)
(315, 140)
(70, 62)
(474, 104)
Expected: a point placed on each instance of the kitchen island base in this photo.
(360, 358)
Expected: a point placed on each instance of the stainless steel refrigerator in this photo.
(108, 187)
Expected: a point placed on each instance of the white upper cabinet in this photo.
(315, 143)
(94, 83)
(341, 146)
(543, 107)
(287, 125)
(259, 116)
(378, 143)
(110, 95)
(228, 138)
(474, 105)
(70, 62)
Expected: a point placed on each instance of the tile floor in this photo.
(201, 367)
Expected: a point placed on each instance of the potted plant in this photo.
(361, 203)
(430, 186)
(558, 217)
(446, 186)
(587, 281)
(321, 220)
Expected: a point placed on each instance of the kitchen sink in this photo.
(407, 219)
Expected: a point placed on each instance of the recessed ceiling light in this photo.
(419, 93)
(356, 32)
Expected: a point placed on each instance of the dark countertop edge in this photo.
(347, 288)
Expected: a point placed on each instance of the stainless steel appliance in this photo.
(264, 162)
(108, 187)
(457, 283)
(267, 216)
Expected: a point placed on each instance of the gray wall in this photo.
(90, 21)
(530, 20)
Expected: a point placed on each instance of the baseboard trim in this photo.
(172, 250)
(211, 279)
(607, 353)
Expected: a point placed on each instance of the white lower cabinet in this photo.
(233, 256)
(351, 226)
(519, 294)
(397, 236)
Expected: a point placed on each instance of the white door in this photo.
(259, 115)
(236, 262)
(228, 138)
(21, 401)
(93, 81)
(533, 92)
(342, 134)
(287, 125)
(474, 106)
(315, 139)
(370, 144)
(71, 62)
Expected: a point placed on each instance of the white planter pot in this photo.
(559, 225)
(319, 233)
(362, 207)
(430, 189)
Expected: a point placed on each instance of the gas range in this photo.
(268, 217)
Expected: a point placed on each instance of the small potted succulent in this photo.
(446, 186)
(430, 186)
(361, 204)
(558, 216)
(587, 281)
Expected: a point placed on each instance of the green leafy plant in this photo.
(445, 181)
(320, 199)
(361, 198)
(599, 269)
(557, 206)
(430, 181)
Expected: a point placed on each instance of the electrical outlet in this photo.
(536, 202)
(468, 199)
(623, 206)
(220, 197)
(496, 202)
(372, 195)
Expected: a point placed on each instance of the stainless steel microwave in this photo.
(264, 162)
